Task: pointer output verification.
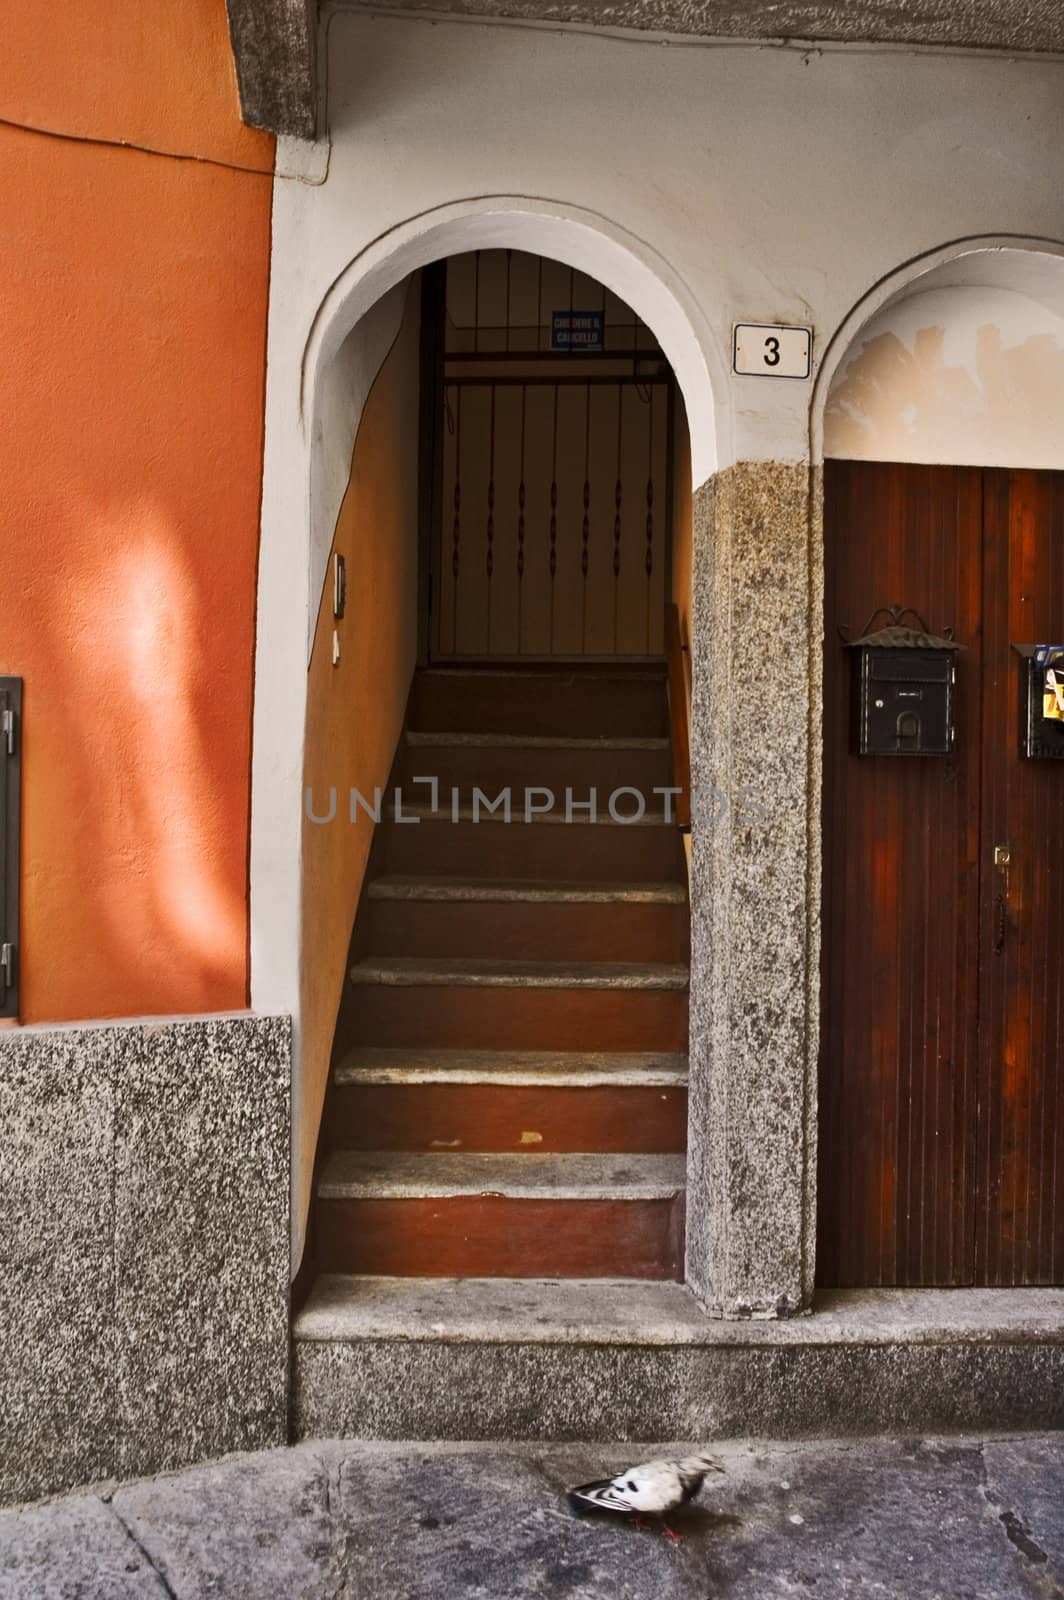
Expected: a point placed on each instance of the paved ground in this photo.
(957, 1519)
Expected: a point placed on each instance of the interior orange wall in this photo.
(682, 540)
(133, 295)
(355, 710)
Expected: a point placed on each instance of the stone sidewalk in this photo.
(952, 1519)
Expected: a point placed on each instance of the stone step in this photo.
(510, 1005)
(489, 891)
(444, 739)
(478, 1125)
(526, 1101)
(498, 1310)
(543, 921)
(402, 1358)
(547, 848)
(518, 1068)
(494, 761)
(506, 1216)
(552, 700)
(388, 1175)
(627, 813)
(502, 1117)
(572, 932)
(463, 973)
(502, 1017)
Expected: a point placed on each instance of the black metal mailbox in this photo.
(903, 688)
(1041, 701)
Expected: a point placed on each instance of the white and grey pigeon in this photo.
(653, 1489)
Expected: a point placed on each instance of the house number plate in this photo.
(772, 350)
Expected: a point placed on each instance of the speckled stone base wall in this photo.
(393, 1389)
(144, 1248)
(754, 889)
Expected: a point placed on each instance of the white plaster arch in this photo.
(297, 370)
(1031, 264)
(580, 238)
(1034, 266)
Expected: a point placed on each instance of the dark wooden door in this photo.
(901, 900)
(941, 1123)
(1019, 1192)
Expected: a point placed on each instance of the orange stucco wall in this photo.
(133, 293)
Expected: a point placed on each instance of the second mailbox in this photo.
(903, 687)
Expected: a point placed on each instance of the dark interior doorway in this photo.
(942, 1079)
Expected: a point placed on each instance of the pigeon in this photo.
(653, 1489)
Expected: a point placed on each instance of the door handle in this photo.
(1002, 858)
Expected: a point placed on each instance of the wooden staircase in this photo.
(509, 1091)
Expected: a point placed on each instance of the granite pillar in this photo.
(755, 870)
(144, 1247)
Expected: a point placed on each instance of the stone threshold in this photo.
(478, 973)
(348, 1309)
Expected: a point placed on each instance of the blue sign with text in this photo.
(578, 330)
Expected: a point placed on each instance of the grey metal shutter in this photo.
(10, 820)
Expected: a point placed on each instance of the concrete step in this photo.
(511, 1216)
(537, 921)
(563, 700)
(403, 1358)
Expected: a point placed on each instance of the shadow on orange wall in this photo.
(133, 324)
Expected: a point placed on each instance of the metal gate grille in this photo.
(555, 504)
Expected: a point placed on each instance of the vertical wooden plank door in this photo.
(1019, 1190)
(941, 1122)
(901, 901)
